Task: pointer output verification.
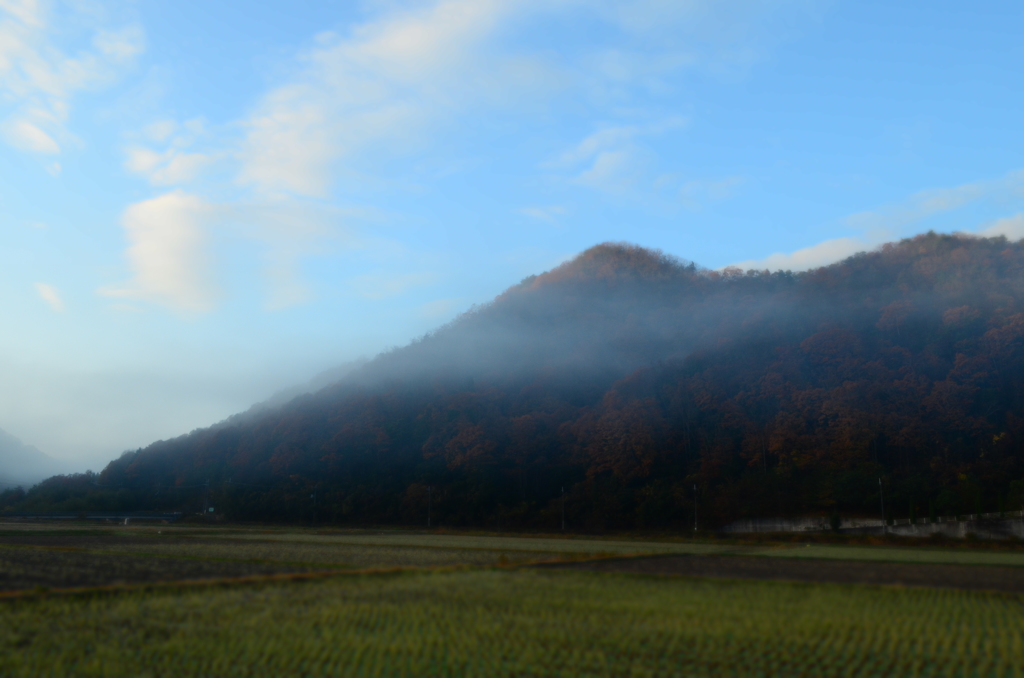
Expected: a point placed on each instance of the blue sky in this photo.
(201, 203)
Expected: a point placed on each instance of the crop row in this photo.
(511, 623)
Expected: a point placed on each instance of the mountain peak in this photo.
(616, 261)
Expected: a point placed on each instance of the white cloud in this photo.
(380, 86)
(38, 78)
(822, 254)
(167, 246)
(26, 136)
(49, 294)
(1011, 227)
(25, 11)
(167, 253)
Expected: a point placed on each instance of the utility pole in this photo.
(881, 496)
(430, 501)
(695, 507)
(563, 508)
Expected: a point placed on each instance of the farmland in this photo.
(40, 556)
(498, 622)
(112, 601)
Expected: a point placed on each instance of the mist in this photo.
(23, 465)
(84, 419)
(628, 376)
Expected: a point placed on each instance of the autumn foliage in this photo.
(629, 378)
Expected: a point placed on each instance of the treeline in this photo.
(637, 389)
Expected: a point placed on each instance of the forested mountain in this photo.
(630, 378)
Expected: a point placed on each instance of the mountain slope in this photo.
(628, 377)
(22, 464)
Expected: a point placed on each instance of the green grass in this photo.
(516, 623)
(922, 554)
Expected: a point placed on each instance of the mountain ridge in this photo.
(628, 376)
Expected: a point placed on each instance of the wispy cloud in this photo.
(893, 220)
(38, 78)
(549, 213)
(172, 165)
(901, 219)
(391, 83)
(364, 106)
(169, 168)
(49, 294)
(616, 159)
(382, 87)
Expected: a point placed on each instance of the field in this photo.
(319, 603)
(34, 556)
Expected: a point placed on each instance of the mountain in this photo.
(22, 464)
(643, 385)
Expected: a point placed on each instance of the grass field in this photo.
(465, 605)
(497, 622)
(61, 557)
(920, 554)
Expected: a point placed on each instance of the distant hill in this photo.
(642, 384)
(22, 464)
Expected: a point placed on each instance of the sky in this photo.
(202, 203)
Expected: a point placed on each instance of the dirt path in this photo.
(971, 577)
